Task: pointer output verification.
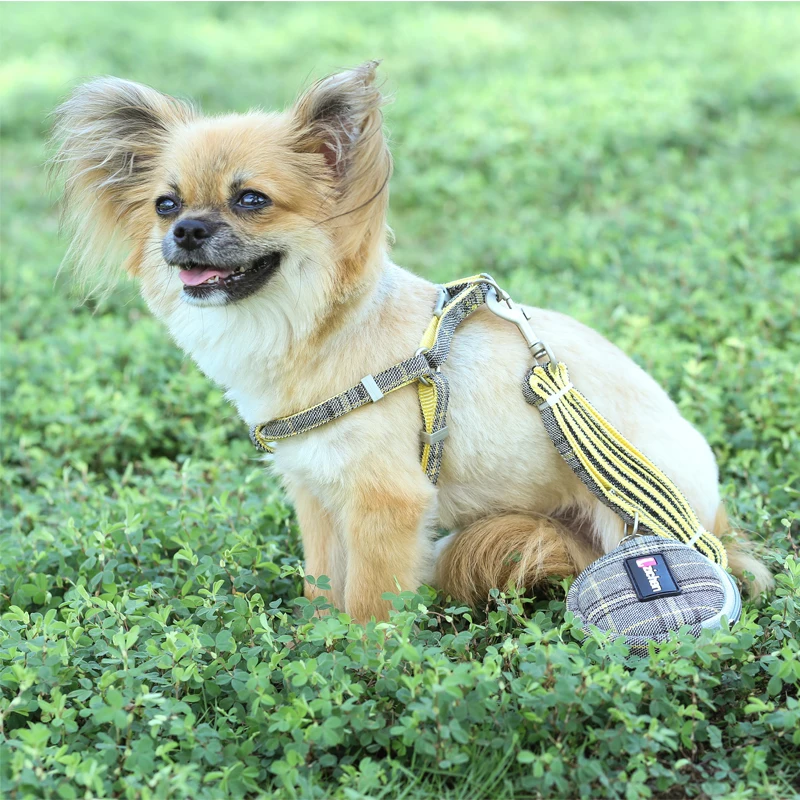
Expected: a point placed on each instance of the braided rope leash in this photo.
(616, 472)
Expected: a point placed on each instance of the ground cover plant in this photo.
(635, 166)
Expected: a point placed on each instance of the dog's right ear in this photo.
(109, 133)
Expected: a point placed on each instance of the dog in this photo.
(260, 240)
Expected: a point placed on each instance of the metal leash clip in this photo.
(503, 306)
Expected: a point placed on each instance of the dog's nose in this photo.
(191, 233)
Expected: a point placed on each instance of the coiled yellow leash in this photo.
(616, 472)
(611, 467)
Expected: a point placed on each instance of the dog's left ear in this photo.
(339, 115)
(340, 119)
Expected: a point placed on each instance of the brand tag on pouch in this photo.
(651, 577)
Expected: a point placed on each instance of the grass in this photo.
(636, 166)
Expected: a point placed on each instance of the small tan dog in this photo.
(260, 240)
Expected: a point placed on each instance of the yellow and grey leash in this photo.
(608, 464)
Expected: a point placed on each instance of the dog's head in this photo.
(210, 209)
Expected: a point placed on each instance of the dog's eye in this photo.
(249, 200)
(167, 204)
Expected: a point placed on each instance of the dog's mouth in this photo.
(217, 285)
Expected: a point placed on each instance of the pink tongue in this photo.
(193, 277)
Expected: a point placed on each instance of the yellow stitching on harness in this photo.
(429, 337)
(427, 402)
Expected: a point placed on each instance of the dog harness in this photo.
(616, 472)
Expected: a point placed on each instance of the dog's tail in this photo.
(517, 549)
(740, 556)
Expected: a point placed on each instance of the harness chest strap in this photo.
(610, 466)
(370, 389)
(455, 303)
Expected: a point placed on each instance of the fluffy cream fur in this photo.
(338, 309)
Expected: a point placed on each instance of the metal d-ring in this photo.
(635, 531)
(422, 379)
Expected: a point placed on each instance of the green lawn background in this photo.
(636, 166)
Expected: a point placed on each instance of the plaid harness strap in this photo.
(455, 303)
(619, 475)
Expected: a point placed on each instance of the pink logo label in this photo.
(645, 562)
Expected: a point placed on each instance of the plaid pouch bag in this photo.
(649, 587)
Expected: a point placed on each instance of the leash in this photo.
(611, 468)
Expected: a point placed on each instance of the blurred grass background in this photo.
(634, 165)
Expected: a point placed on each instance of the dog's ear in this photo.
(340, 119)
(339, 115)
(108, 135)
